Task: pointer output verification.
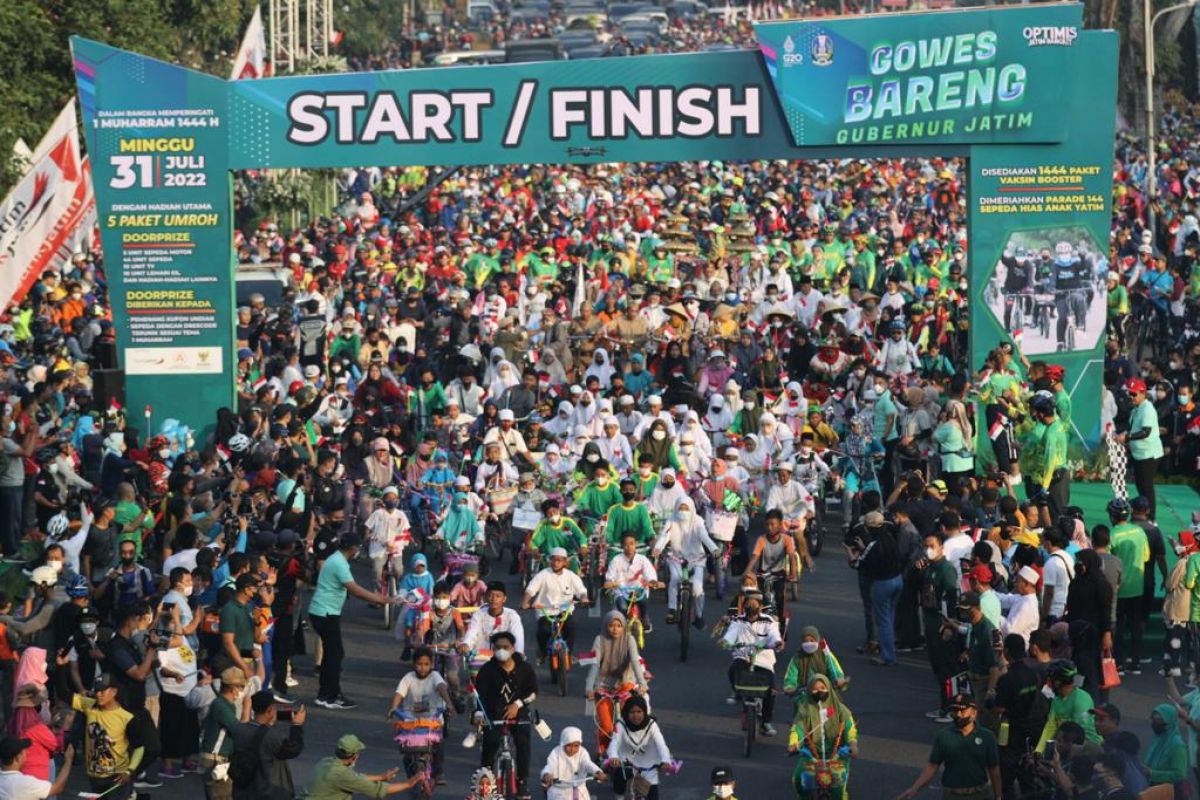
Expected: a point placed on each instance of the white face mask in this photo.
(748, 405)
(55, 565)
(88, 628)
(441, 603)
(164, 453)
(187, 591)
(809, 647)
(686, 449)
(593, 458)
(503, 654)
(931, 553)
(725, 790)
(659, 435)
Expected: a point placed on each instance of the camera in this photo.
(283, 712)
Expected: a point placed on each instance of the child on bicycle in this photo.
(639, 742)
(569, 767)
(722, 784)
(420, 701)
(469, 592)
(446, 629)
(417, 585)
(388, 534)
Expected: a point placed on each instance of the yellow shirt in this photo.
(106, 745)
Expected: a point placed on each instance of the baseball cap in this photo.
(312, 371)
(981, 573)
(103, 682)
(1106, 710)
(349, 540)
(244, 353)
(873, 519)
(350, 745)
(11, 747)
(232, 676)
(721, 775)
(962, 700)
(1135, 386)
(940, 485)
(969, 600)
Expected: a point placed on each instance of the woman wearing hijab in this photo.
(955, 439)
(717, 420)
(587, 416)
(559, 426)
(746, 421)
(600, 367)
(824, 738)
(1089, 617)
(639, 741)
(490, 418)
(377, 385)
(692, 427)
(617, 669)
(756, 460)
(548, 362)
(613, 444)
(1166, 757)
(568, 768)
(812, 659)
(658, 446)
(461, 530)
(714, 375)
(29, 722)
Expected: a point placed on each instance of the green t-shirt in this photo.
(330, 594)
(939, 586)
(235, 619)
(333, 780)
(1191, 580)
(1142, 416)
(1129, 543)
(123, 515)
(634, 520)
(884, 408)
(221, 716)
(965, 760)
(1075, 707)
(981, 655)
(595, 502)
(1062, 406)
(566, 535)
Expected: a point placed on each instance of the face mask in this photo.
(602, 481)
(809, 647)
(55, 565)
(962, 722)
(686, 449)
(88, 628)
(593, 458)
(645, 471)
(441, 603)
(1183, 399)
(389, 504)
(164, 453)
(503, 654)
(187, 591)
(659, 435)
(668, 484)
(628, 496)
(819, 697)
(723, 791)
(1047, 693)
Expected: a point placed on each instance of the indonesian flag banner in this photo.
(251, 61)
(40, 219)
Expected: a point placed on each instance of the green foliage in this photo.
(371, 26)
(35, 58)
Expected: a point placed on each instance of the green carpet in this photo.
(1175, 504)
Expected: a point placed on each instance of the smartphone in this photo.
(283, 712)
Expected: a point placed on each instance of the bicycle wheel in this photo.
(685, 621)
(1045, 324)
(561, 666)
(751, 715)
(495, 539)
(506, 776)
(815, 534)
(637, 630)
(390, 588)
(1070, 337)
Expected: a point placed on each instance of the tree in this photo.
(1128, 18)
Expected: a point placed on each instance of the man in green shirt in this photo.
(628, 517)
(886, 419)
(237, 628)
(967, 755)
(1070, 704)
(983, 659)
(1130, 545)
(938, 595)
(226, 714)
(1145, 441)
(334, 777)
(1044, 455)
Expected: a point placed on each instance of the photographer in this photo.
(131, 665)
(272, 746)
(288, 561)
(237, 629)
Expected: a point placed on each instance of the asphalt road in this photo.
(687, 698)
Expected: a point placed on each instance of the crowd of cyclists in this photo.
(663, 391)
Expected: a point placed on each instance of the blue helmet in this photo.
(78, 587)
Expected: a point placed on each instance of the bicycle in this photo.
(626, 599)
(419, 735)
(504, 765)
(614, 700)
(750, 688)
(774, 598)
(637, 787)
(558, 652)
(684, 603)
(573, 784)
(722, 527)
(389, 586)
(451, 665)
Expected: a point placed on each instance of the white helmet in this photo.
(44, 575)
(57, 525)
(239, 443)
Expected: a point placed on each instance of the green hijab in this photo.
(460, 520)
(1158, 754)
(832, 713)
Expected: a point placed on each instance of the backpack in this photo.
(244, 763)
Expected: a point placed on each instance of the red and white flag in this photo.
(997, 427)
(251, 61)
(41, 217)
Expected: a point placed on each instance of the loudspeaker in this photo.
(108, 385)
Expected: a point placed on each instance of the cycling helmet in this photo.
(1118, 508)
(1062, 671)
(78, 587)
(57, 525)
(239, 443)
(1042, 403)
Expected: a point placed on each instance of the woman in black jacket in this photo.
(1089, 609)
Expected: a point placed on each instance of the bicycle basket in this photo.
(418, 735)
(752, 683)
(458, 562)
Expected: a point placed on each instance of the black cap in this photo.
(89, 613)
(969, 600)
(103, 682)
(497, 586)
(349, 540)
(962, 700)
(722, 775)
(11, 747)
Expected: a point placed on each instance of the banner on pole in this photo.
(41, 215)
(251, 61)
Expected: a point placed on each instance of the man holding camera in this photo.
(273, 745)
(217, 743)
